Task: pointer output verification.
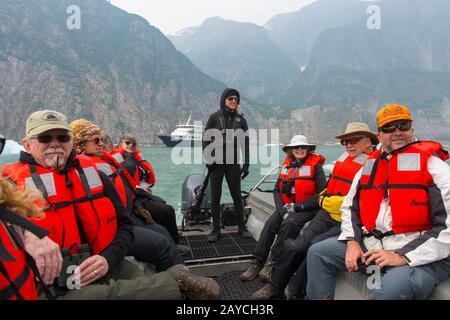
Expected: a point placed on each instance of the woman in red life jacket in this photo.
(152, 243)
(18, 268)
(290, 266)
(130, 158)
(296, 192)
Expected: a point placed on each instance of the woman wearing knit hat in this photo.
(152, 243)
(130, 158)
(228, 119)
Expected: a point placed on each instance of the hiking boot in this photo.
(244, 233)
(214, 236)
(266, 292)
(290, 295)
(266, 271)
(252, 271)
(183, 250)
(194, 287)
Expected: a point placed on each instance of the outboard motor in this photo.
(194, 212)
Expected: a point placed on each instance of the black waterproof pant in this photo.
(232, 173)
(288, 261)
(275, 226)
(153, 244)
(164, 215)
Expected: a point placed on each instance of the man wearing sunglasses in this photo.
(394, 217)
(82, 206)
(289, 272)
(20, 242)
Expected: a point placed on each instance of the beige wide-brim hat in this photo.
(358, 129)
(298, 141)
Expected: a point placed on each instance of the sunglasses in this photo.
(2, 143)
(353, 140)
(404, 126)
(63, 138)
(299, 147)
(133, 144)
(232, 99)
(97, 140)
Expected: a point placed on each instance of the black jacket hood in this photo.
(226, 93)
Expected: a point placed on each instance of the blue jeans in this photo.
(327, 257)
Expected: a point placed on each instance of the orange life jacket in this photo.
(403, 177)
(344, 171)
(301, 178)
(77, 195)
(112, 172)
(16, 277)
(142, 166)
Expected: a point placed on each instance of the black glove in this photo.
(244, 171)
(299, 207)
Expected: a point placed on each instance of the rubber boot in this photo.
(214, 236)
(241, 224)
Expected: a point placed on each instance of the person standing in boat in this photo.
(221, 151)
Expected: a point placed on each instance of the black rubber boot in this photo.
(241, 223)
(214, 236)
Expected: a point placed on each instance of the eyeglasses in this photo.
(404, 126)
(63, 138)
(133, 144)
(232, 99)
(353, 140)
(97, 140)
(2, 143)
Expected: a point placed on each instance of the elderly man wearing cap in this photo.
(290, 264)
(295, 194)
(395, 217)
(17, 273)
(82, 206)
(152, 243)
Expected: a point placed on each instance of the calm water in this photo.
(170, 177)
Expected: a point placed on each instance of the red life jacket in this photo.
(143, 165)
(16, 277)
(304, 183)
(112, 172)
(405, 179)
(78, 195)
(344, 171)
(120, 170)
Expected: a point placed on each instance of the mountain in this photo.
(116, 70)
(297, 32)
(353, 70)
(242, 55)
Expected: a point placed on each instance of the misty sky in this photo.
(171, 16)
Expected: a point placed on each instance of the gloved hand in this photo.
(287, 210)
(146, 216)
(244, 171)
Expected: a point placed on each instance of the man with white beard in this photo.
(84, 215)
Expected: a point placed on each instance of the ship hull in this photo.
(167, 140)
